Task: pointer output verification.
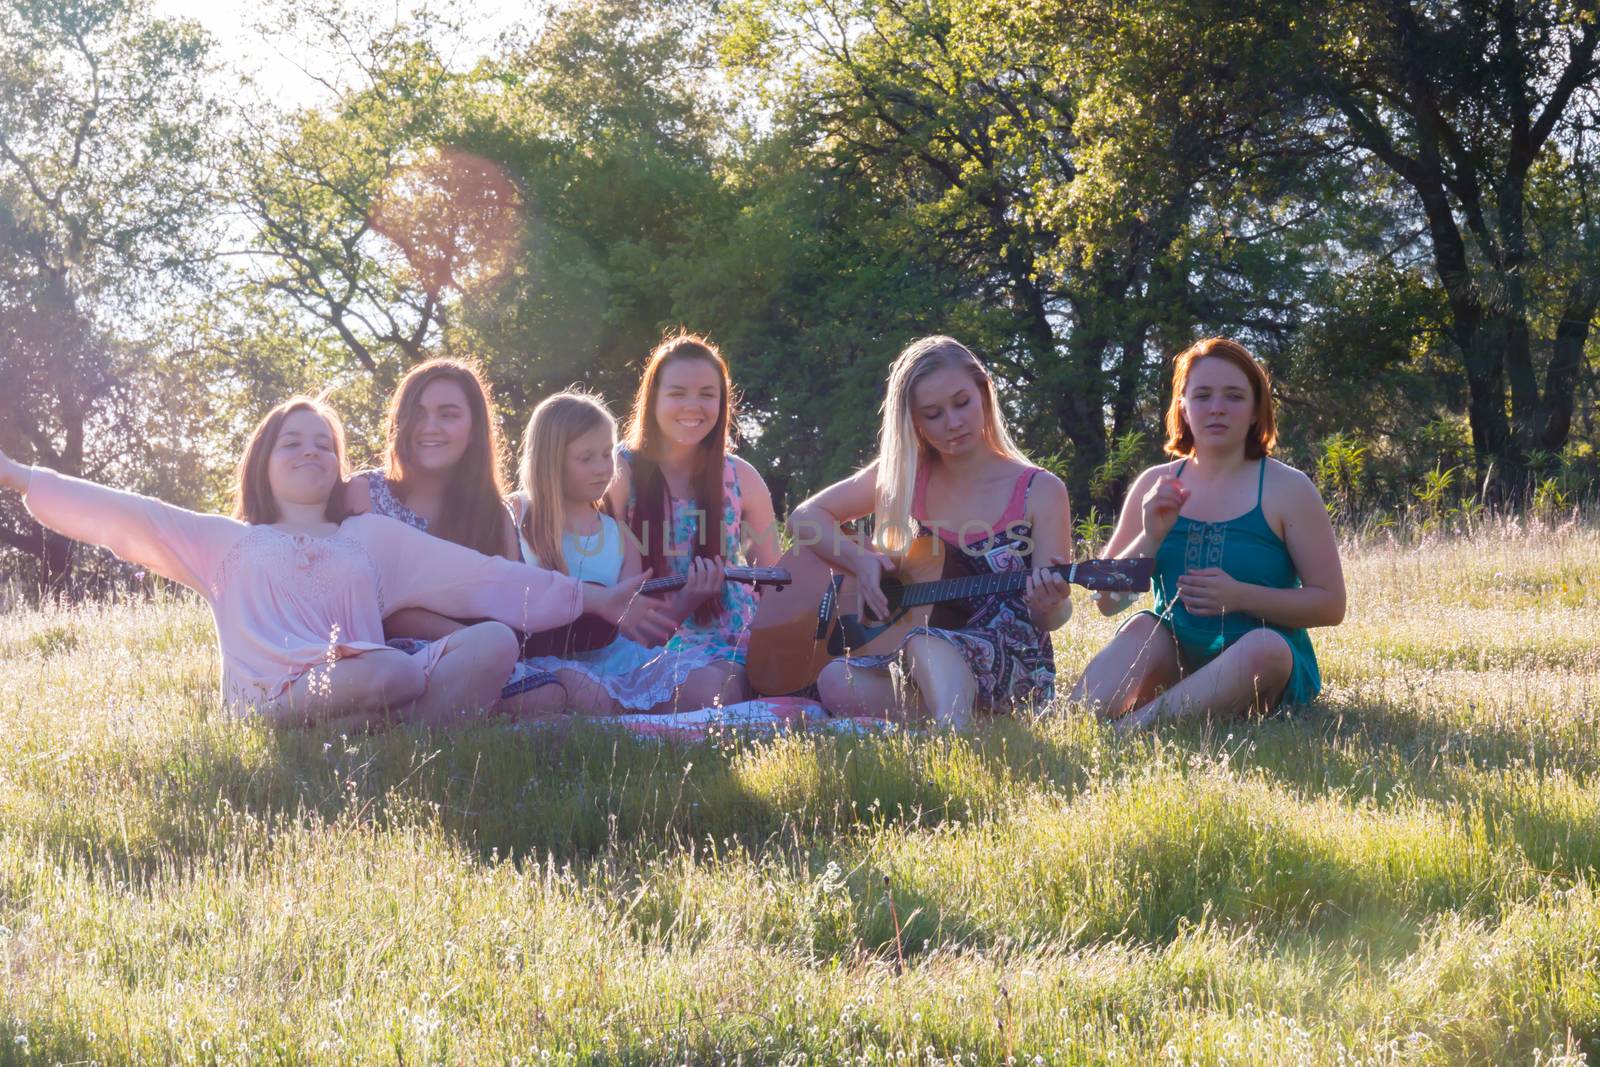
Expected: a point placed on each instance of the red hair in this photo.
(1263, 427)
(651, 514)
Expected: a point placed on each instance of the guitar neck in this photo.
(970, 587)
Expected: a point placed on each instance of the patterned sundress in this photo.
(636, 677)
(727, 637)
(1011, 659)
(384, 502)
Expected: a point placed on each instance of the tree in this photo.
(1039, 174)
(104, 183)
(1484, 110)
(311, 185)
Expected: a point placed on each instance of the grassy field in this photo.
(1404, 874)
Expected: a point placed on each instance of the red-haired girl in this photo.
(1246, 559)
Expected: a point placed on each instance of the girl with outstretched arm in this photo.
(298, 591)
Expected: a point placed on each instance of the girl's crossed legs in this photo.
(1139, 670)
(386, 686)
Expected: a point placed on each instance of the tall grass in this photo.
(1402, 874)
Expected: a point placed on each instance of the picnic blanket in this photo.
(764, 716)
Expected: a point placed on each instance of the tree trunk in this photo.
(1566, 363)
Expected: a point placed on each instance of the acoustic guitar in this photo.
(589, 632)
(818, 617)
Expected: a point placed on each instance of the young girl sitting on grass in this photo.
(566, 467)
(441, 475)
(1246, 560)
(298, 591)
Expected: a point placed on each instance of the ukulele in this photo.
(589, 632)
(798, 630)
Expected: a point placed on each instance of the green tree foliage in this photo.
(1094, 201)
(1485, 112)
(105, 185)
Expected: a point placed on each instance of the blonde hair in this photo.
(901, 448)
(555, 423)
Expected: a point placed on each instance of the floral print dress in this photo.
(1011, 659)
(727, 637)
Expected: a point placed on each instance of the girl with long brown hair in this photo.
(1246, 560)
(297, 590)
(441, 475)
(693, 506)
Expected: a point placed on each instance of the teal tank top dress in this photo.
(1248, 550)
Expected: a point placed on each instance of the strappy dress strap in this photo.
(1017, 506)
(1184, 462)
(1261, 480)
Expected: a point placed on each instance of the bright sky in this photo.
(288, 70)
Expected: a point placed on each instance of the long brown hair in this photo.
(253, 501)
(651, 515)
(472, 512)
(1263, 430)
(556, 423)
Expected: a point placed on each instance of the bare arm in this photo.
(1129, 538)
(815, 525)
(759, 523)
(1135, 534)
(1308, 533)
(1050, 517)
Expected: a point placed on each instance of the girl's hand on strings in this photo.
(705, 578)
(869, 569)
(1161, 505)
(1210, 591)
(1044, 594)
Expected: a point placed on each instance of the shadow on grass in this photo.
(562, 796)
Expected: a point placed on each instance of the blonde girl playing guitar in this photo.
(947, 468)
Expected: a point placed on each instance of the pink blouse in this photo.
(284, 603)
